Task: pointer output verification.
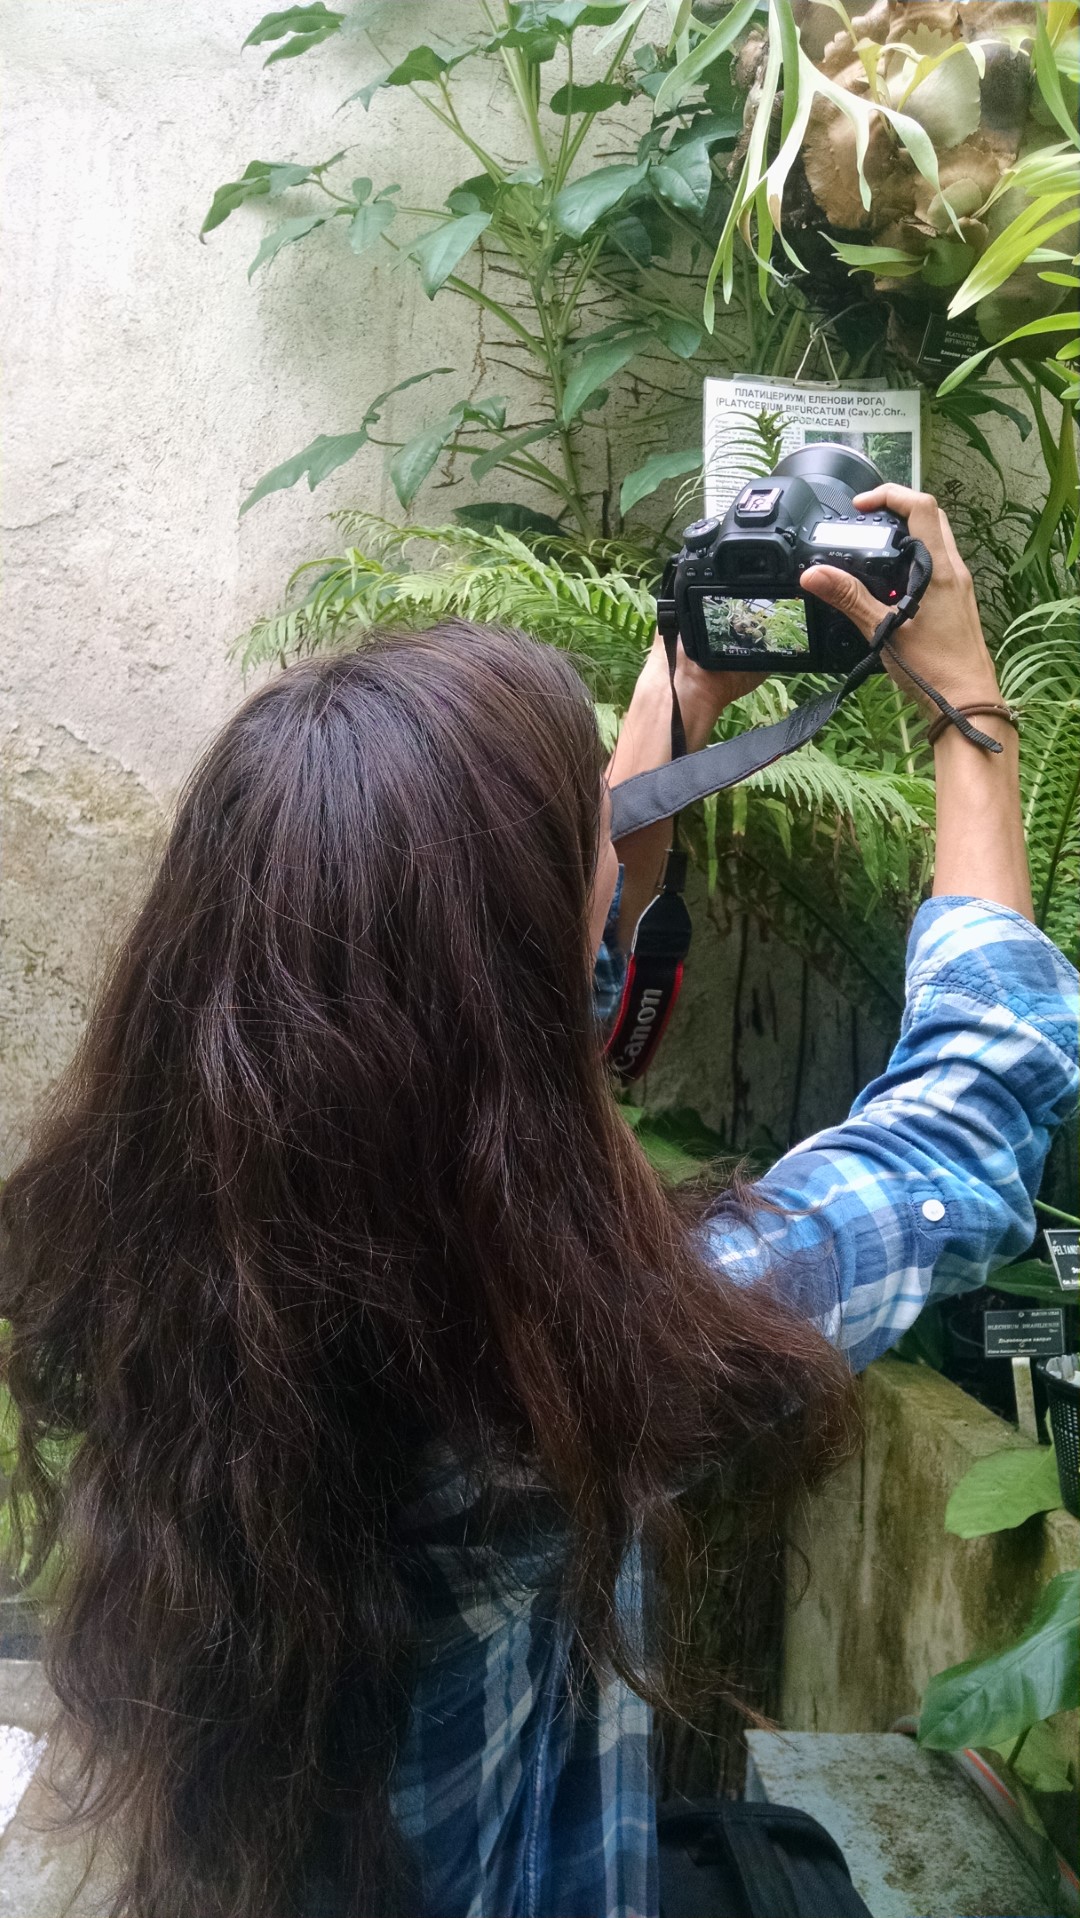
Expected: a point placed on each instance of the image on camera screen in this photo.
(766, 625)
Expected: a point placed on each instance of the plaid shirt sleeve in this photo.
(609, 969)
(929, 1183)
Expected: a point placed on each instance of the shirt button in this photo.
(933, 1210)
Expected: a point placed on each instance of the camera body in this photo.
(731, 571)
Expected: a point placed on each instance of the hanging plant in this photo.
(927, 138)
(934, 148)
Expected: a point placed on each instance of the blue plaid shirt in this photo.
(524, 1786)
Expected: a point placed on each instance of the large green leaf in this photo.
(564, 14)
(600, 363)
(285, 235)
(322, 457)
(662, 466)
(629, 17)
(331, 450)
(684, 177)
(514, 518)
(1050, 323)
(262, 179)
(1003, 1490)
(1031, 1280)
(579, 206)
(312, 19)
(589, 99)
(495, 455)
(475, 195)
(437, 253)
(894, 261)
(1011, 249)
(410, 466)
(1049, 79)
(689, 71)
(308, 26)
(537, 45)
(986, 1701)
(680, 335)
(368, 222)
(302, 43)
(290, 174)
(422, 65)
(254, 184)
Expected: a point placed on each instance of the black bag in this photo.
(722, 1859)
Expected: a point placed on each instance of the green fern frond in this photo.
(583, 598)
(1050, 793)
(1040, 653)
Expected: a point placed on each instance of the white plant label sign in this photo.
(882, 423)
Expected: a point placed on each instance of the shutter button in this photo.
(933, 1210)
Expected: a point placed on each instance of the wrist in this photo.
(702, 698)
(996, 725)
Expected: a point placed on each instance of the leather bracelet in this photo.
(997, 710)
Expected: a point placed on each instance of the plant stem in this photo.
(479, 298)
(518, 70)
(571, 300)
(566, 438)
(582, 133)
(450, 119)
(1018, 1747)
(1055, 1212)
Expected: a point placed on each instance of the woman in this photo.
(378, 1346)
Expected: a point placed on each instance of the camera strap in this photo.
(662, 937)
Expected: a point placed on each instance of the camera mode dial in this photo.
(698, 537)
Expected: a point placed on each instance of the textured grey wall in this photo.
(148, 387)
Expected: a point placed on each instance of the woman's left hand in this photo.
(702, 695)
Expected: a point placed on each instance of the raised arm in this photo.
(645, 742)
(929, 1183)
(980, 837)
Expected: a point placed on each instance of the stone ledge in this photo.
(890, 1596)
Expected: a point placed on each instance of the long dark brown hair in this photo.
(338, 1170)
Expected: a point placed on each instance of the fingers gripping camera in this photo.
(733, 576)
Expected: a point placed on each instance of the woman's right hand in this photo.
(980, 851)
(944, 639)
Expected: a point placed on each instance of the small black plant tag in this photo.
(1063, 1245)
(1029, 1332)
(945, 343)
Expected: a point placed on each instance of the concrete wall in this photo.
(147, 387)
(890, 1597)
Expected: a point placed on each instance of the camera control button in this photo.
(700, 535)
(933, 1210)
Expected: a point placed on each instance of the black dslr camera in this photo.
(733, 576)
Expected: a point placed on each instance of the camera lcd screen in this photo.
(756, 625)
(864, 535)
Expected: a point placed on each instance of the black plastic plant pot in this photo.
(1061, 1378)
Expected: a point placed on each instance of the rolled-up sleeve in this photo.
(929, 1183)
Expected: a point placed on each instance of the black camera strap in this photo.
(662, 937)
